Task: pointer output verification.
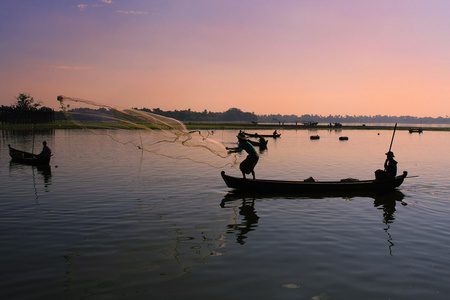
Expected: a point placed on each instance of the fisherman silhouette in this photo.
(46, 152)
(247, 166)
(390, 168)
(390, 165)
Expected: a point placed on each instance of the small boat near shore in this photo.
(28, 158)
(311, 185)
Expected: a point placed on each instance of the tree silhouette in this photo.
(26, 102)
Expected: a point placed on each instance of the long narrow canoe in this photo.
(28, 158)
(262, 144)
(419, 130)
(263, 135)
(284, 186)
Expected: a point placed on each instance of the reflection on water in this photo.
(247, 224)
(44, 172)
(37, 173)
(387, 204)
(242, 226)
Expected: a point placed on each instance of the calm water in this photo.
(108, 221)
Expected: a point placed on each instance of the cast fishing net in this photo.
(147, 131)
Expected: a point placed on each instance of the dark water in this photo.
(108, 221)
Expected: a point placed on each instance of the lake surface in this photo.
(110, 221)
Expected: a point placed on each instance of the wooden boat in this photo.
(308, 186)
(419, 130)
(263, 135)
(343, 138)
(314, 137)
(261, 144)
(28, 158)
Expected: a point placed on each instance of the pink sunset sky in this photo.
(354, 57)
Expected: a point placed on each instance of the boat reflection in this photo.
(44, 172)
(249, 220)
(387, 204)
(379, 198)
(243, 225)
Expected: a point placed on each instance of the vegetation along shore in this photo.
(27, 114)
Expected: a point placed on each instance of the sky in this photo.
(325, 57)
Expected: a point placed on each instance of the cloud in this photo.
(131, 12)
(83, 6)
(65, 67)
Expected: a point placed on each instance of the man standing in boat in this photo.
(247, 166)
(390, 165)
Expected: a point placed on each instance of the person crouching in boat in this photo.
(247, 166)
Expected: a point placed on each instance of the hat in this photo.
(390, 153)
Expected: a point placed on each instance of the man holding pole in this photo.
(390, 165)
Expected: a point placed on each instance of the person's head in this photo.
(242, 141)
(44, 143)
(390, 154)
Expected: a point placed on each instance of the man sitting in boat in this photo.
(247, 166)
(46, 152)
(390, 168)
(390, 165)
(261, 139)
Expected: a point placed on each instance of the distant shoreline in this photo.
(224, 125)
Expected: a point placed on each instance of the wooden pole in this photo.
(393, 134)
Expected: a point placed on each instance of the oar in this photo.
(393, 134)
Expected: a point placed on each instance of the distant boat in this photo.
(311, 185)
(28, 158)
(314, 137)
(419, 130)
(274, 135)
(261, 144)
(343, 138)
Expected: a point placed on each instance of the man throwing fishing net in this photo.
(247, 166)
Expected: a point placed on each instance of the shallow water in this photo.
(111, 221)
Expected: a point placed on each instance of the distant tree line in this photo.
(352, 119)
(237, 115)
(26, 111)
(231, 115)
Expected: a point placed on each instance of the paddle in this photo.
(393, 134)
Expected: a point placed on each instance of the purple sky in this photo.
(352, 57)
